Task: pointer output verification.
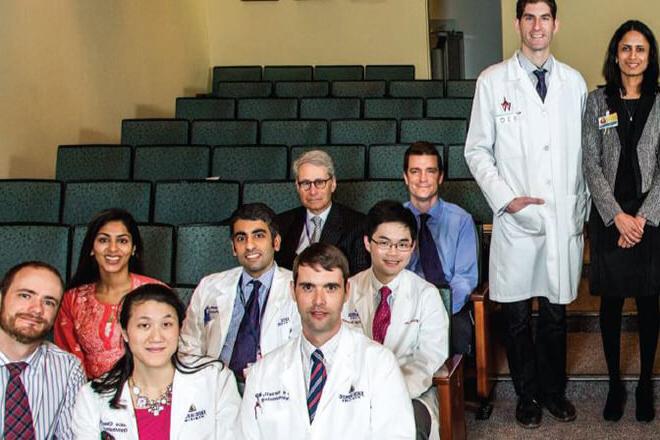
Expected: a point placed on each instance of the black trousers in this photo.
(462, 331)
(538, 367)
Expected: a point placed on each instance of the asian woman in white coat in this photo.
(149, 394)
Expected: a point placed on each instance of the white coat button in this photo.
(546, 148)
(548, 182)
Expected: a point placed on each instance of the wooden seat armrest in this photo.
(480, 293)
(448, 369)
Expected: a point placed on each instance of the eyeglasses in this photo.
(385, 245)
(305, 185)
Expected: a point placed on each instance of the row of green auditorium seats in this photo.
(316, 73)
(198, 201)
(239, 162)
(292, 132)
(345, 89)
(321, 108)
(175, 255)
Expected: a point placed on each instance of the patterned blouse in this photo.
(90, 329)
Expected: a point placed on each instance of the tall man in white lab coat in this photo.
(401, 310)
(524, 150)
(243, 313)
(331, 382)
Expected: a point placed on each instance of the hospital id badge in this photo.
(610, 120)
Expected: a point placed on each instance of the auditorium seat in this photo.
(417, 89)
(224, 132)
(349, 160)
(457, 168)
(365, 132)
(30, 200)
(236, 73)
(386, 161)
(302, 89)
(29, 242)
(194, 201)
(394, 108)
(467, 195)
(358, 89)
(157, 255)
(294, 132)
(154, 131)
(339, 73)
(83, 199)
(170, 162)
(98, 162)
(267, 108)
(205, 108)
(201, 250)
(462, 88)
(329, 108)
(184, 294)
(361, 195)
(449, 108)
(437, 131)
(250, 162)
(287, 73)
(390, 72)
(243, 89)
(279, 195)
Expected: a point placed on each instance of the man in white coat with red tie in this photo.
(243, 313)
(524, 150)
(331, 382)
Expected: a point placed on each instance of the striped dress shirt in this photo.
(52, 379)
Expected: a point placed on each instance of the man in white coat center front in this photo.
(243, 313)
(401, 310)
(331, 382)
(524, 150)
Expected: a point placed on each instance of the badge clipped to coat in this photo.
(610, 120)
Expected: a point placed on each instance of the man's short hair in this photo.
(422, 148)
(390, 211)
(254, 212)
(5, 284)
(520, 7)
(315, 157)
(324, 255)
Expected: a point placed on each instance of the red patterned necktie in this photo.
(18, 416)
(382, 316)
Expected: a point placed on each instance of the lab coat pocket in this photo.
(509, 136)
(527, 221)
(576, 209)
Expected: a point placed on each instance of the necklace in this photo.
(626, 106)
(153, 406)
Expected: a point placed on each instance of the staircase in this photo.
(588, 381)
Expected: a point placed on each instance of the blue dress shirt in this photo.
(455, 237)
(243, 293)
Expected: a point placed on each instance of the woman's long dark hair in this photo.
(611, 70)
(113, 381)
(88, 269)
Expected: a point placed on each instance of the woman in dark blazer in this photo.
(621, 142)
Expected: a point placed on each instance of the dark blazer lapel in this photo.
(334, 227)
(291, 227)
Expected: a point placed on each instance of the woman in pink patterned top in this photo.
(109, 267)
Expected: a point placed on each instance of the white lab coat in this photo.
(364, 396)
(205, 405)
(518, 145)
(418, 333)
(211, 306)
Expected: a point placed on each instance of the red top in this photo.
(90, 329)
(151, 427)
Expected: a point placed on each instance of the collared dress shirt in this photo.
(308, 230)
(454, 234)
(530, 67)
(329, 349)
(52, 380)
(243, 294)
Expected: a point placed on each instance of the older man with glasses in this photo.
(319, 219)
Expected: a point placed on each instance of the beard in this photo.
(23, 335)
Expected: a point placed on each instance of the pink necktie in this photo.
(382, 316)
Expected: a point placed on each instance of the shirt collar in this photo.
(393, 285)
(265, 279)
(434, 212)
(328, 349)
(530, 67)
(323, 215)
(32, 359)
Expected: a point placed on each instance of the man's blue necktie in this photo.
(428, 254)
(247, 338)
(541, 87)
